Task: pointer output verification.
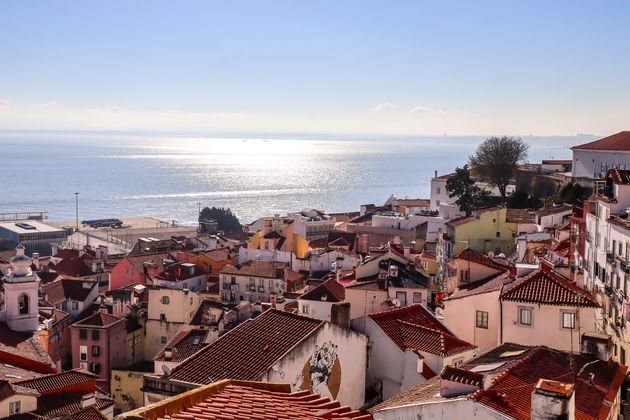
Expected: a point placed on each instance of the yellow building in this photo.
(487, 230)
(126, 386)
(428, 265)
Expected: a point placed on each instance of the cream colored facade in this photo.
(170, 310)
(546, 326)
(26, 403)
(126, 386)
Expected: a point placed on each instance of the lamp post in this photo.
(199, 217)
(76, 204)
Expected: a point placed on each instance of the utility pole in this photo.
(76, 204)
(199, 217)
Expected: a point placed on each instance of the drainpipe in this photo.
(501, 316)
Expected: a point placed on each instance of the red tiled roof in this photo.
(23, 346)
(55, 383)
(236, 400)
(479, 258)
(463, 376)
(63, 289)
(90, 413)
(371, 285)
(328, 291)
(74, 266)
(420, 338)
(619, 177)
(548, 288)
(183, 345)
(99, 319)
(520, 216)
(388, 322)
(257, 268)
(58, 405)
(562, 208)
(8, 389)
(291, 307)
(219, 254)
(249, 350)
(596, 385)
(619, 141)
(489, 284)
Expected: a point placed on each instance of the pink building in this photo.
(98, 346)
(131, 269)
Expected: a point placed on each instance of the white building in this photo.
(19, 305)
(34, 236)
(312, 224)
(409, 346)
(592, 160)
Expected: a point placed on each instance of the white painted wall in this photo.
(351, 354)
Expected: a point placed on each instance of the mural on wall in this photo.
(322, 372)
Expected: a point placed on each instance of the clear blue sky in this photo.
(468, 67)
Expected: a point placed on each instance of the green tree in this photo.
(226, 220)
(469, 195)
(496, 159)
(521, 200)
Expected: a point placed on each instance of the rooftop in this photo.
(99, 319)
(549, 288)
(239, 400)
(328, 291)
(61, 290)
(257, 268)
(183, 345)
(249, 350)
(58, 382)
(618, 142)
(29, 226)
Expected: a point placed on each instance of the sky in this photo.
(373, 67)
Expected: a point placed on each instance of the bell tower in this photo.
(21, 287)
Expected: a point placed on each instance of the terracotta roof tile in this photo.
(258, 268)
(619, 141)
(421, 338)
(548, 288)
(248, 350)
(63, 289)
(561, 208)
(479, 258)
(55, 383)
(389, 322)
(463, 376)
(520, 216)
(328, 291)
(492, 283)
(25, 346)
(183, 345)
(372, 285)
(235, 400)
(99, 319)
(90, 413)
(58, 405)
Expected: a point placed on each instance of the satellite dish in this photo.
(166, 370)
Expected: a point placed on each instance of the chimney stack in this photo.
(88, 400)
(553, 400)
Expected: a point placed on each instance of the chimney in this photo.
(598, 345)
(340, 314)
(168, 353)
(88, 400)
(553, 400)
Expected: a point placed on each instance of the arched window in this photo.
(23, 304)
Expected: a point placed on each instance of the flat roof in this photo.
(21, 227)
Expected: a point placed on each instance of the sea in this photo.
(168, 176)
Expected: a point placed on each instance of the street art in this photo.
(322, 372)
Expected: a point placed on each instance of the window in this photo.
(83, 366)
(15, 407)
(402, 297)
(83, 334)
(439, 190)
(95, 334)
(75, 306)
(266, 245)
(162, 317)
(437, 203)
(233, 280)
(457, 362)
(23, 304)
(417, 297)
(165, 300)
(83, 353)
(96, 350)
(525, 316)
(163, 339)
(568, 320)
(482, 319)
(305, 309)
(498, 234)
(95, 368)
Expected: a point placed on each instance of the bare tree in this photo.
(496, 159)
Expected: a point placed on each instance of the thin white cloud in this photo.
(421, 110)
(383, 106)
(4, 104)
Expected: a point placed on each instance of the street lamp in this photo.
(199, 217)
(76, 203)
